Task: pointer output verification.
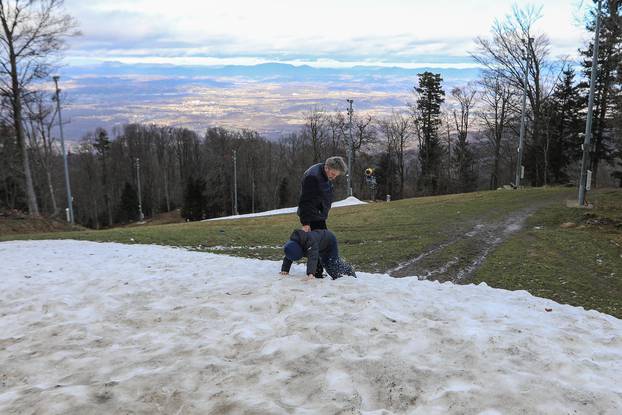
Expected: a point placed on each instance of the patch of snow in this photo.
(350, 201)
(252, 248)
(513, 227)
(112, 328)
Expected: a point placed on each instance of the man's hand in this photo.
(308, 278)
(306, 228)
(284, 273)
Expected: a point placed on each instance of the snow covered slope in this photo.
(350, 201)
(104, 328)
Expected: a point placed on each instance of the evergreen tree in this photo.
(617, 173)
(128, 207)
(386, 176)
(195, 200)
(607, 86)
(564, 127)
(12, 193)
(102, 147)
(464, 160)
(430, 96)
(283, 192)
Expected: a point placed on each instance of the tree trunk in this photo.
(33, 207)
(496, 170)
(166, 195)
(52, 195)
(106, 193)
(546, 154)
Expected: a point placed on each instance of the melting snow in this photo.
(91, 328)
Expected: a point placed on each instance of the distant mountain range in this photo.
(265, 70)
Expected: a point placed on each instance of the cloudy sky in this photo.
(333, 33)
(107, 88)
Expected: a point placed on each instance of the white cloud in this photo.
(345, 30)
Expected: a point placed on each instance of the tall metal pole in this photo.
(235, 183)
(587, 142)
(350, 149)
(62, 146)
(521, 140)
(141, 217)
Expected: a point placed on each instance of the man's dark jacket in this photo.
(316, 195)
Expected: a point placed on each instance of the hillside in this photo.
(525, 239)
(14, 224)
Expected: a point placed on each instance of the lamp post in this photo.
(587, 142)
(62, 146)
(350, 148)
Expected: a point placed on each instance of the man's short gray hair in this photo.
(337, 163)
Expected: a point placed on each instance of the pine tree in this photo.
(428, 110)
(128, 207)
(386, 176)
(564, 127)
(283, 192)
(607, 87)
(195, 200)
(102, 146)
(464, 160)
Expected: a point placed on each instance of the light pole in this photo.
(350, 149)
(587, 142)
(521, 140)
(141, 217)
(62, 146)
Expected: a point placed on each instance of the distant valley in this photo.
(268, 98)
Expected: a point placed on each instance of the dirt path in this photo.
(457, 258)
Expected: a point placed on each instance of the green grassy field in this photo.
(572, 256)
(580, 264)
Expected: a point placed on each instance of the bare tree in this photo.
(401, 134)
(495, 115)
(363, 134)
(314, 127)
(465, 97)
(337, 126)
(33, 33)
(448, 130)
(163, 143)
(40, 117)
(384, 126)
(506, 55)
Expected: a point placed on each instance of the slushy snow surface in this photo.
(106, 328)
(349, 201)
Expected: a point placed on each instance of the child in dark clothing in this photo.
(318, 244)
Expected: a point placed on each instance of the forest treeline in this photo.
(441, 141)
